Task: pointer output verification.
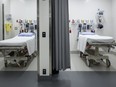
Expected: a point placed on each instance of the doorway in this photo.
(85, 12)
(19, 16)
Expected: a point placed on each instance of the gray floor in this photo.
(63, 79)
(79, 64)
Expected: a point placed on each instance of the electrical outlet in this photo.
(43, 34)
(44, 71)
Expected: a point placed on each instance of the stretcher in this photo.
(92, 47)
(17, 49)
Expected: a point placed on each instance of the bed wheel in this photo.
(88, 62)
(34, 55)
(24, 64)
(6, 64)
(108, 64)
(81, 54)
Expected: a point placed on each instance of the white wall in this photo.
(114, 17)
(87, 9)
(23, 9)
(6, 6)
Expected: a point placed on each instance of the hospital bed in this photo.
(19, 48)
(95, 48)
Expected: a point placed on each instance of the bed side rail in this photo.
(102, 44)
(11, 47)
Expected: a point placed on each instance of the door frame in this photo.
(3, 22)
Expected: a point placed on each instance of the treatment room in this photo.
(18, 45)
(58, 43)
(88, 21)
(86, 17)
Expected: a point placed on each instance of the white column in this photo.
(44, 59)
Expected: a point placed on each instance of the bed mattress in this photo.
(83, 39)
(99, 39)
(20, 41)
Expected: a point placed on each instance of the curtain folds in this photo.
(60, 34)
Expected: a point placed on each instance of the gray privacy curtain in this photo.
(60, 31)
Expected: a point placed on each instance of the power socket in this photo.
(44, 71)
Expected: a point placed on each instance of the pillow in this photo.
(26, 34)
(87, 33)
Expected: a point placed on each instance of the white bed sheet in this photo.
(21, 41)
(83, 39)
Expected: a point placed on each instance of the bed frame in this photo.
(15, 54)
(93, 54)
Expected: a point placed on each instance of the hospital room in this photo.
(88, 21)
(58, 43)
(86, 17)
(18, 44)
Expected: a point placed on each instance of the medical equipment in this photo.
(8, 26)
(84, 26)
(27, 25)
(19, 48)
(100, 19)
(8, 17)
(79, 29)
(35, 27)
(31, 27)
(8, 23)
(89, 45)
(73, 22)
